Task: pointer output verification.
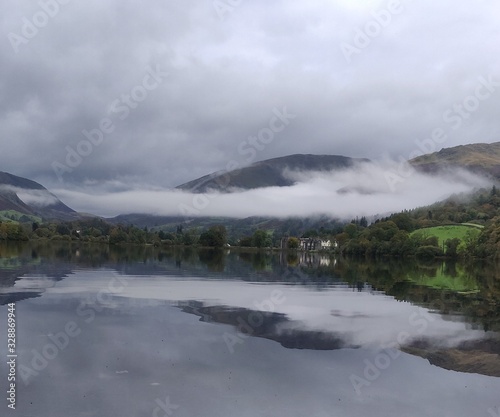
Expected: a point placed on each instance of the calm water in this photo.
(145, 332)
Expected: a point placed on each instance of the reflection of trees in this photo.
(16, 261)
(292, 258)
(487, 308)
(213, 258)
(450, 268)
(402, 278)
(474, 289)
(260, 260)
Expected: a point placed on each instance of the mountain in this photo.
(32, 199)
(481, 158)
(268, 173)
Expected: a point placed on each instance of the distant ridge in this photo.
(481, 158)
(40, 201)
(268, 173)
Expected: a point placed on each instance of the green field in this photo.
(443, 233)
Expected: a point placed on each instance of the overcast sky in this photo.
(178, 87)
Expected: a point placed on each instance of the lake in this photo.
(135, 332)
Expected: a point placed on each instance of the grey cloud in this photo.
(226, 77)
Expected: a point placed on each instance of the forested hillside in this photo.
(416, 232)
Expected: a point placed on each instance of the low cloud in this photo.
(38, 198)
(361, 191)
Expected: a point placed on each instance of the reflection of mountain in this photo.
(473, 356)
(26, 277)
(481, 356)
(272, 326)
(14, 297)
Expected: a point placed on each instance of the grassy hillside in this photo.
(443, 233)
(483, 158)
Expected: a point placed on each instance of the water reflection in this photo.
(226, 333)
(471, 290)
(460, 292)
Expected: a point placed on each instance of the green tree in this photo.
(12, 231)
(352, 230)
(431, 241)
(117, 235)
(429, 252)
(190, 237)
(404, 222)
(63, 229)
(383, 231)
(452, 247)
(261, 239)
(246, 242)
(215, 236)
(293, 243)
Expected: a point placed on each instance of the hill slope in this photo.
(268, 173)
(481, 158)
(30, 198)
(236, 228)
